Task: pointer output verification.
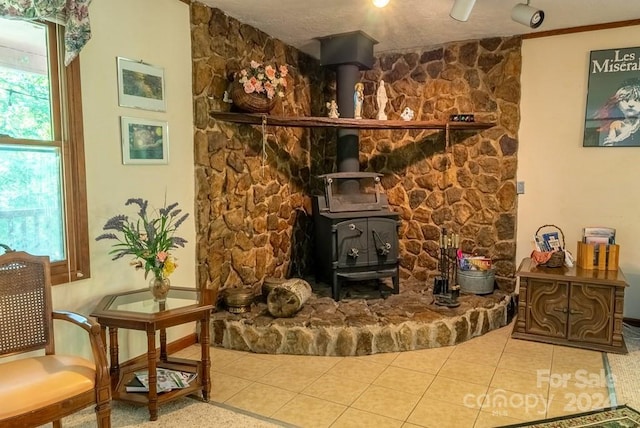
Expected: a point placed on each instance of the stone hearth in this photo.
(363, 323)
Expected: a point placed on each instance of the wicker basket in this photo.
(252, 103)
(557, 257)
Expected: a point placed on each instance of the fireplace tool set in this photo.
(445, 288)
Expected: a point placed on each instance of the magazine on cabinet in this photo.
(599, 235)
(548, 242)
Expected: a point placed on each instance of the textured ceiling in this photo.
(408, 24)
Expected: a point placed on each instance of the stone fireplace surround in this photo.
(253, 204)
(363, 324)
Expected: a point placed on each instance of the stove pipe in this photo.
(347, 54)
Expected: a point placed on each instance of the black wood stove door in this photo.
(368, 241)
(383, 240)
(351, 240)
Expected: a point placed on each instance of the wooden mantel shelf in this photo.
(326, 122)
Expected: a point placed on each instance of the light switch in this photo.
(519, 187)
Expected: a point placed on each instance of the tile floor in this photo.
(488, 381)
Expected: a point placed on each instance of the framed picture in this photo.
(612, 117)
(144, 141)
(140, 85)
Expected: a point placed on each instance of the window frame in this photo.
(68, 134)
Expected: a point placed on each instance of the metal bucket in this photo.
(476, 281)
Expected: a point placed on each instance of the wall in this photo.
(566, 184)
(468, 186)
(252, 193)
(552, 114)
(157, 32)
(253, 207)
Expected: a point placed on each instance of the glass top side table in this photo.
(137, 310)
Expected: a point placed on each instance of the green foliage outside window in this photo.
(24, 105)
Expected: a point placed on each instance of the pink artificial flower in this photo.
(283, 70)
(162, 256)
(255, 64)
(270, 90)
(248, 87)
(270, 72)
(243, 72)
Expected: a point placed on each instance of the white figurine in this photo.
(381, 98)
(333, 110)
(407, 114)
(358, 98)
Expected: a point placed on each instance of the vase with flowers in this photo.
(149, 238)
(256, 87)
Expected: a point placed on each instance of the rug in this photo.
(183, 412)
(625, 369)
(612, 417)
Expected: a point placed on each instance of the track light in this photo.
(461, 9)
(527, 15)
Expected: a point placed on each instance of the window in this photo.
(42, 176)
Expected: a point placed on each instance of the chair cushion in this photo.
(32, 383)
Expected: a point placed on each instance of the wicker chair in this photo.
(36, 389)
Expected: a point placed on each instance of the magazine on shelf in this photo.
(135, 385)
(167, 380)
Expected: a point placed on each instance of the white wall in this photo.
(156, 32)
(566, 184)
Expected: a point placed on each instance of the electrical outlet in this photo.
(519, 187)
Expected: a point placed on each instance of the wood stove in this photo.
(356, 233)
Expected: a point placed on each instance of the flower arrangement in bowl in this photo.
(149, 238)
(256, 86)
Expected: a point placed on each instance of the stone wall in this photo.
(467, 186)
(253, 206)
(253, 193)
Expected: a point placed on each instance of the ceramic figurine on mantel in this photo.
(382, 99)
(407, 114)
(332, 108)
(358, 98)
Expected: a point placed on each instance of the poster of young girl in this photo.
(613, 100)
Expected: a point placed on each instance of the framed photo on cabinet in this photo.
(612, 117)
(140, 85)
(144, 141)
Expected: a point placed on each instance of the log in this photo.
(286, 299)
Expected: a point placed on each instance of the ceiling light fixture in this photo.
(380, 3)
(527, 15)
(461, 9)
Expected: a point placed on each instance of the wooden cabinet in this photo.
(571, 306)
